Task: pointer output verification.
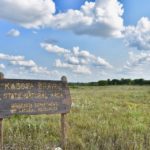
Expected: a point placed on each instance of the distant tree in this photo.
(138, 81)
(109, 82)
(93, 83)
(125, 81)
(102, 82)
(114, 82)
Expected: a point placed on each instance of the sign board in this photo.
(33, 97)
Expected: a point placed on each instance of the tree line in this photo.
(114, 82)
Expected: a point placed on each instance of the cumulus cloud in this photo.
(60, 64)
(53, 48)
(13, 33)
(81, 61)
(23, 65)
(79, 69)
(101, 62)
(137, 66)
(82, 70)
(138, 36)
(82, 53)
(32, 67)
(27, 13)
(11, 57)
(73, 60)
(100, 18)
(2, 66)
(75, 57)
(84, 57)
(136, 60)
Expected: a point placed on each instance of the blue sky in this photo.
(84, 40)
(134, 10)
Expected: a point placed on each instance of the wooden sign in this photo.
(34, 97)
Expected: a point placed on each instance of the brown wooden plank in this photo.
(1, 121)
(1, 133)
(63, 131)
(33, 97)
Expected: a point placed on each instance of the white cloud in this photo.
(53, 48)
(2, 66)
(25, 63)
(135, 60)
(28, 13)
(10, 57)
(82, 53)
(13, 33)
(73, 60)
(81, 61)
(60, 64)
(84, 57)
(137, 66)
(44, 71)
(100, 18)
(138, 36)
(31, 66)
(82, 70)
(103, 63)
(20, 65)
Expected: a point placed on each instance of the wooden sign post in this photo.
(1, 121)
(1, 133)
(63, 124)
(33, 97)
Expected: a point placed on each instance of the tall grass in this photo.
(102, 118)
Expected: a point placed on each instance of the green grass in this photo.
(102, 118)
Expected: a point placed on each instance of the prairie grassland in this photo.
(102, 118)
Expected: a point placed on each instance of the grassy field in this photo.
(102, 118)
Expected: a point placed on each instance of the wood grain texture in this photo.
(33, 97)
